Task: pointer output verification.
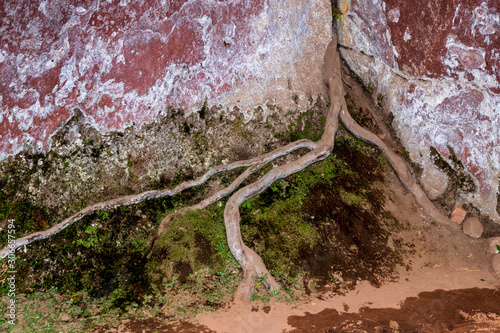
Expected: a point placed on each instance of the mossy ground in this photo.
(321, 229)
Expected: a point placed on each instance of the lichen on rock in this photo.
(436, 66)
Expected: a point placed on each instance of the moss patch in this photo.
(323, 228)
(84, 167)
(191, 265)
(309, 125)
(326, 222)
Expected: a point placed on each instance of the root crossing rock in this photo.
(250, 261)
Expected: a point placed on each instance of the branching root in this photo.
(250, 261)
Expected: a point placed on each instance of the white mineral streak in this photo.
(283, 49)
(420, 118)
(407, 35)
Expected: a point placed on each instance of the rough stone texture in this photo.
(472, 227)
(85, 167)
(123, 62)
(437, 65)
(458, 214)
(493, 245)
(138, 95)
(435, 182)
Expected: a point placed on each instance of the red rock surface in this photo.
(458, 214)
(437, 62)
(123, 61)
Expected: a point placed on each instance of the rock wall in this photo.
(435, 65)
(123, 62)
(105, 98)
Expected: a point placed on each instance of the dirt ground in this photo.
(444, 284)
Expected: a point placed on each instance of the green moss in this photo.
(196, 239)
(460, 180)
(106, 256)
(28, 216)
(368, 89)
(238, 124)
(191, 268)
(278, 233)
(201, 143)
(191, 260)
(308, 126)
(202, 113)
(352, 198)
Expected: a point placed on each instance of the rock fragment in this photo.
(65, 317)
(458, 214)
(394, 326)
(472, 227)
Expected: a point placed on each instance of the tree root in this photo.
(397, 163)
(254, 164)
(259, 162)
(250, 261)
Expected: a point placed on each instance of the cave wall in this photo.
(435, 66)
(123, 62)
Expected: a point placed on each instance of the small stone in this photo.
(458, 214)
(393, 15)
(496, 263)
(77, 297)
(435, 182)
(65, 317)
(493, 245)
(394, 326)
(472, 227)
(471, 59)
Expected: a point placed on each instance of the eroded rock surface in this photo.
(100, 99)
(437, 66)
(122, 62)
(493, 242)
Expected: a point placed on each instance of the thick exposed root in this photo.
(397, 163)
(258, 164)
(250, 261)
